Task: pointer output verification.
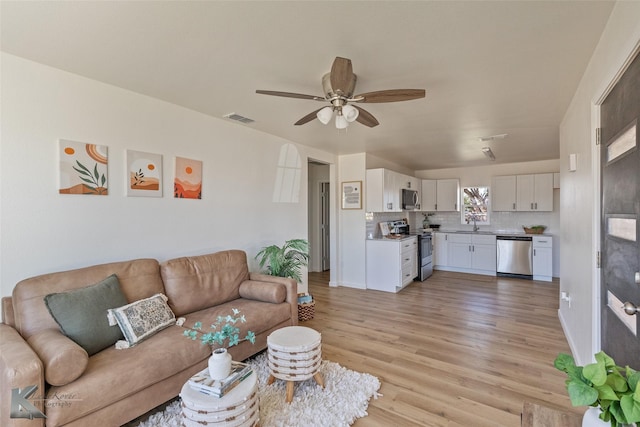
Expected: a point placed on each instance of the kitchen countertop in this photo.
(393, 239)
(493, 232)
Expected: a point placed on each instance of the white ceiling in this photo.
(488, 67)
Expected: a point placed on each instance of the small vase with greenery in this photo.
(224, 333)
(285, 261)
(603, 385)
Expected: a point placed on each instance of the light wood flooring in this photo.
(455, 350)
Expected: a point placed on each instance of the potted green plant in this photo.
(603, 385)
(285, 261)
(224, 333)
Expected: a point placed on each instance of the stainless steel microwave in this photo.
(410, 200)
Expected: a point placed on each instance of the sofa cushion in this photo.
(82, 313)
(63, 359)
(113, 375)
(141, 319)
(260, 316)
(197, 282)
(138, 278)
(263, 291)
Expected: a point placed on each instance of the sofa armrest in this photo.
(20, 368)
(290, 285)
(62, 358)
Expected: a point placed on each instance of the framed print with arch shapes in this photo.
(83, 168)
(144, 174)
(352, 195)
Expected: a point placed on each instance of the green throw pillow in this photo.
(82, 313)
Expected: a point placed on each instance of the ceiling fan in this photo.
(338, 86)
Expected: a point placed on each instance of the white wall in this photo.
(578, 210)
(352, 226)
(43, 231)
(501, 221)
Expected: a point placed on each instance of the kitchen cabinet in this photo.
(382, 191)
(503, 193)
(534, 192)
(391, 264)
(543, 258)
(523, 193)
(440, 249)
(473, 251)
(442, 195)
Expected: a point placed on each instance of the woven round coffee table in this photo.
(238, 408)
(294, 354)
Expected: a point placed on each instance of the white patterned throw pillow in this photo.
(141, 319)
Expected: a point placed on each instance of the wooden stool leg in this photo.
(289, 391)
(319, 379)
(271, 379)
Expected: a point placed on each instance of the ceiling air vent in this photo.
(238, 118)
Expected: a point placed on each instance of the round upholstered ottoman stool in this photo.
(294, 354)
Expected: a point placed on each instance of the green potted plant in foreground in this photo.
(285, 261)
(603, 385)
(224, 333)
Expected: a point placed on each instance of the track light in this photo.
(487, 152)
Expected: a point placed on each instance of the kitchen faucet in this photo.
(475, 227)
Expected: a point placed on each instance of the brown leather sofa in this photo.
(116, 386)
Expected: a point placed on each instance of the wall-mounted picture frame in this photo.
(352, 195)
(144, 174)
(187, 183)
(83, 168)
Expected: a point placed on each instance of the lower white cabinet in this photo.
(543, 258)
(391, 265)
(465, 252)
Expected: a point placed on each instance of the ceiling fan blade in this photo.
(341, 74)
(290, 95)
(391, 95)
(308, 117)
(366, 118)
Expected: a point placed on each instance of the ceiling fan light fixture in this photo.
(341, 122)
(350, 113)
(324, 115)
(487, 152)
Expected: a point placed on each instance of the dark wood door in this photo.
(620, 172)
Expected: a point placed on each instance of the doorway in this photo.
(620, 213)
(319, 216)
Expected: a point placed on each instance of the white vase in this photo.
(219, 364)
(591, 418)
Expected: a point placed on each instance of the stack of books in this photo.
(203, 383)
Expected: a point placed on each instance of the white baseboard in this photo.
(572, 345)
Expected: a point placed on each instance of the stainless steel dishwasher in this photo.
(514, 256)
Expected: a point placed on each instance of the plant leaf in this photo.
(581, 394)
(595, 372)
(605, 392)
(630, 408)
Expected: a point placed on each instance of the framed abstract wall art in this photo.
(144, 174)
(83, 168)
(352, 195)
(188, 179)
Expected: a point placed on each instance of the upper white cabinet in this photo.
(442, 195)
(524, 193)
(383, 191)
(503, 193)
(534, 192)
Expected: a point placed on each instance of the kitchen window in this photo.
(475, 203)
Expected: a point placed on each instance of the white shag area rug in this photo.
(344, 399)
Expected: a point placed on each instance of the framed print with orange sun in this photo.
(188, 179)
(144, 174)
(83, 168)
